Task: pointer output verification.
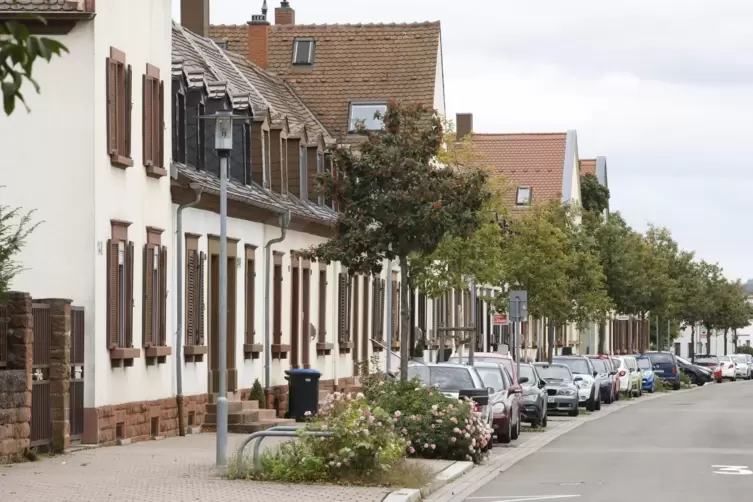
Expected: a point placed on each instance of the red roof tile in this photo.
(44, 6)
(588, 166)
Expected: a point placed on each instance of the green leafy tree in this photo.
(19, 50)
(15, 227)
(397, 201)
(594, 195)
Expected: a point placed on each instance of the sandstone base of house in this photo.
(15, 415)
(347, 384)
(141, 421)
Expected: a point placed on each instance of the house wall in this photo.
(141, 29)
(439, 97)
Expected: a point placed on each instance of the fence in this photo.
(41, 412)
(76, 387)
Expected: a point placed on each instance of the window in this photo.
(250, 294)
(377, 311)
(295, 308)
(240, 157)
(194, 291)
(523, 196)
(195, 136)
(155, 296)
(304, 173)
(119, 86)
(284, 167)
(267, 158)
(319, 169)
(364, 114)
(120, 292)
(395, 308)
(303, 51)
(153, 130)
(277, 300)
(322, 304)
(179, 126)
(343, 308)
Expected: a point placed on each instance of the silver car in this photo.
(590, 383)
(561, 388)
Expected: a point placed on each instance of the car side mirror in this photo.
(612, 373)
(578, 379)
(490, 390)
(523, 380)
(596, 373)
(542, 384)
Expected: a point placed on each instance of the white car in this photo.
(728, 367)
(623, 373)
(742, 369)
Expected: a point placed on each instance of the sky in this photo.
(663, 90)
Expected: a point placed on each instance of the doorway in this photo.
(214, 315)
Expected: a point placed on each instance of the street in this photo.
(687, 447)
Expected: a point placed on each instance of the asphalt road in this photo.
(664, 450)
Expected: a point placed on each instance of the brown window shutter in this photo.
(201, 307)
(250, 300)
(127, 112)
(395, 309)
(365, 320)
(112, 107)
(382, 301)
(305, 314)
(129, 294)
(190, 297)
(353, 306)
(113, 305)
(342, 312)
(376, 297)
(163, 296)
(159, 158)
(322, 306)
(147, 130)
(295, 314)
(148, 304)
(277, 306)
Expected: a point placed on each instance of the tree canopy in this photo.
(594, 195)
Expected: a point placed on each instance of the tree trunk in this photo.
(602, 335)
(725, 341)
(404, 318)
(550, 341)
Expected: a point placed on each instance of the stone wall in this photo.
(137, 420)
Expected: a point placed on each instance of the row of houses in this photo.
(119, 166)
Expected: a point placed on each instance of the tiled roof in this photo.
(533, 160)
(353, 62)
(588, 166)
(43, 5)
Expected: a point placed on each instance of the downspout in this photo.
(284, 222)
(179, 307)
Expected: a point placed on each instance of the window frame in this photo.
(120, 267)
(312, 51)
(154, 310)
(195, 307)
(266, 138)
(303, 171)
(355, 104)
(527, 203)
(153, 122)
(118, 92)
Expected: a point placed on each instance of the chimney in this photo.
(284, 14)
(258, 38)
(194, 16)
(464, 125)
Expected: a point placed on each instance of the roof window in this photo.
(303, 51)
(365, 114)
(523, 196)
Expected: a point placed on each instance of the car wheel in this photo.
(544, 419)
(734, 378)
(676, 385)
(653, 387)
(574, 413)
(515, 433)
(505, 438)
(598, 405)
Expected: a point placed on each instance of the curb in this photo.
(444, 477)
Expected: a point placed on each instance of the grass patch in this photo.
(660, 386)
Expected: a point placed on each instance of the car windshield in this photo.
(724, 358)
(707, 360)
(492, 377)
(630, 363)
(599, 365)
(579, 366)
(616, 362)
(661, 358)
(447, 379)
(644, 363)
(554, 372)
(739, 359)
(527, 371)
(504, 361)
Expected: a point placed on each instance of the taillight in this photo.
(478, 408)
(622, 373)
(674, 370)
(731, 365)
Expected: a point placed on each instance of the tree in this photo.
(594, 195)
(396, 201)
(18, 52)
(15, 227)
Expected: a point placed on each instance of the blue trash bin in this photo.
(303, 392)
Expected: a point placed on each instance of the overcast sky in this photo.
(663, 89)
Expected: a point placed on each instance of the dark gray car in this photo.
(561, 388)
(534, 397)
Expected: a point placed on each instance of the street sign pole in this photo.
(518, 314)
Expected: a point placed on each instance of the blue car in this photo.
(665, 367)
(647, 374)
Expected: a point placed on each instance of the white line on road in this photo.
(529, 498)
(736, 470)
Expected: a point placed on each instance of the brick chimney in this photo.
(463, 125)
(284, 14)
(194, 16)
(258, 38)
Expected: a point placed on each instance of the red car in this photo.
(713, 363)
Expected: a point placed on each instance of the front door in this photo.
(214, 323)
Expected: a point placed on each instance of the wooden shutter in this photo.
(147, 131)
(353, 304)
(113, 309)
(128, 108)
(375, 297)
(148, 303)
(190, 297)
(295, 314)
(277, 305)
(395, 309)
(128, 304)
(163, 297)
(342, 306)
(250, 301)
(365, 320)
(159, 158)
(322, 306)
(200, 299)
(305, 313)
(382, 302)
(112, 106)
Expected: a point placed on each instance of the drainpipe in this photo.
(197, 188)
(284, 222)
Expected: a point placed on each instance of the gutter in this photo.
(197, 188)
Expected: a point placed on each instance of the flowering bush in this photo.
(363, 442)
(435, 426)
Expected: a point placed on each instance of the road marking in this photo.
(735, 470)
(529, 498)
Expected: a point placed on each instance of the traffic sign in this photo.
(518, 306)
(500, 319)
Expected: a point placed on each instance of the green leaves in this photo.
(594, 195)
(18, 52)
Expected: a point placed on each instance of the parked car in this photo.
(561, 388)
(604, 371)
(615, 378)
(665, 367)
(648, 380)
(534, 396)
(699, 375)
(728, 367)
(590, 383)
(635, 375)
(713, 364)
(742, 368)
(506, 400)
(492, 357)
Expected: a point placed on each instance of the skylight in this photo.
(523, 196)
(303, 51)
(364, 113)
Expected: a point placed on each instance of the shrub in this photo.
(435, 425)
(257, 394)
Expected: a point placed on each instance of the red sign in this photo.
(500, 319)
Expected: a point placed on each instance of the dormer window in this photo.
(364, 113)
(303, 51)
(523, 196)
